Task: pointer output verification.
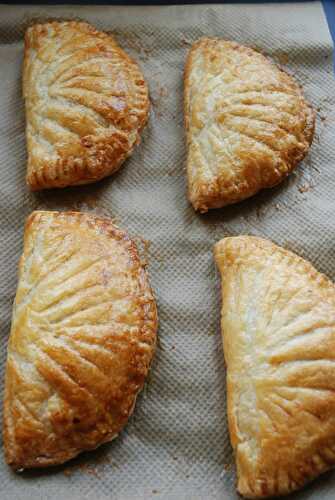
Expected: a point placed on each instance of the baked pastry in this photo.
(86, 104)
(278, 327)
(82, 338)
(247, 123)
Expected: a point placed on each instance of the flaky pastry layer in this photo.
(247, 123)
(278, 329)
(86, 104)
(82, 338)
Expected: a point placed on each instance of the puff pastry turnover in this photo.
(247, 123)
(278, 326)
(82, 338)
(86, 104)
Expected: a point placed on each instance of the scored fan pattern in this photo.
(247, 122)
(278, 325)
(86, 103)
(82, 338)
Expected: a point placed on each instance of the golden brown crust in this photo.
(86, 104)
(247, 123)
(82, 338)
(278, 328)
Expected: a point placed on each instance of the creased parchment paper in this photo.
(176, 446)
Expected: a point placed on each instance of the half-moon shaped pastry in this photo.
(82, 338)
(247, 123)
(86, 104)
(278, 327)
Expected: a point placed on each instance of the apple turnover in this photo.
(278, 328)
(82, 338)
(247, 123)
(86, 104)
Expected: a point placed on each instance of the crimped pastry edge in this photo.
(107, 226)
(207, 200)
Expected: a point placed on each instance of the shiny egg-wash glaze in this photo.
(86, 104)
(247, 123)
(82, 338)
(278, 330)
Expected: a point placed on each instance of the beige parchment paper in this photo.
(176, 446)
